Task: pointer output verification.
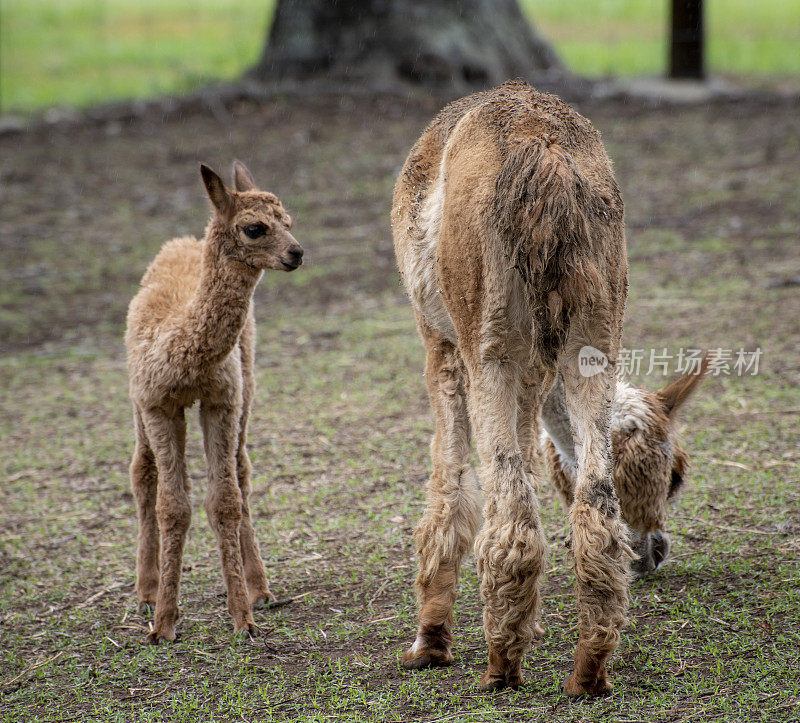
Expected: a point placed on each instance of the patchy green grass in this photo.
(340, 431)
(83, 52)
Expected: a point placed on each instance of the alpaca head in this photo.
(649, 463)
(251, 225)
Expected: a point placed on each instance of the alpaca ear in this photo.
(242, 178)
(219, 195)
(675, 394)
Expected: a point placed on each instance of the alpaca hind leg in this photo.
(167, 436)
(598, 537)
(258, 592)
(447, 529)
(144, 483)
(511, 546)
(223, 506)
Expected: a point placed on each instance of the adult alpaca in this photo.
(509, 234)
(191, 336)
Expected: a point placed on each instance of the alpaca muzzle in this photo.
(293, 258)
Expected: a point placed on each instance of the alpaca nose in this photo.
(296, 255)
(659, 547)
(293, 257)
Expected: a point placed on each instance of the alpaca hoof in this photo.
(597, 689)
(501, 672)
(426, 658)
(146, 608)
(492, 686)
(246, 634)
(539, 631)
(157, 638)
(492, 683)
(431, 648)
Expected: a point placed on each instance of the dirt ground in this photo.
(340, 432)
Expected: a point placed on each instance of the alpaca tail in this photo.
(675, 394)
(541, 208)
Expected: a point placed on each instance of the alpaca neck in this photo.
(218, 311)
(555, 420)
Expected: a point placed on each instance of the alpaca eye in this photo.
(257, 230)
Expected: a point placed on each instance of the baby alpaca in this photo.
(648, 462)
(190, 336)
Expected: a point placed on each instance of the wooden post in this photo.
(686, 48)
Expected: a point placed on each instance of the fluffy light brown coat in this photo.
(190, 337)
(509, 235)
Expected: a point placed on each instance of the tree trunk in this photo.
(445, 43)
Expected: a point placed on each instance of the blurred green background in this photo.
(81, 52)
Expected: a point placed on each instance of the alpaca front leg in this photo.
(144, 483)
(448, 527)
(511, 551)
(223, 506)
(511, 547)
(599, 540)
(167, 436)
